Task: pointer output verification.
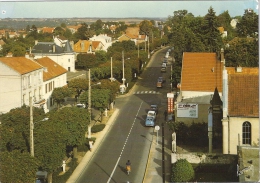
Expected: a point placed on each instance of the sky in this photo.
(120, 9)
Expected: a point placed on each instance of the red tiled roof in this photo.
(20, 64)
(53, 69)
(201, 72)
(243, 93)
(79, 48)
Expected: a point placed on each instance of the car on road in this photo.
(165, 61)
(159, 82)
(163, 69)
(164, 65)
(81, 106)
(150, 121)
(150, 118)
(154, 107)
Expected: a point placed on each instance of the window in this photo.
(24, 98)
(29, 80)
(46, 88)
(246, 133)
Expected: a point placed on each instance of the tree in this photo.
(248, 25)
(75, 120)
(182, 171)
(212, 36)
(243, 52)
(50, 144)
(59, 94)
(86, 61)
(78, 85)
(100, 98)
(146, 27)
(15, 128)
(59, 31)
(17, 167)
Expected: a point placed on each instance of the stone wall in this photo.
(197, 158)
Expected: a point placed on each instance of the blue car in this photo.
(150, 121)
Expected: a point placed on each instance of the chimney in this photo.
(36, 42)
(222, 55)
(53, 48)
(239, 68)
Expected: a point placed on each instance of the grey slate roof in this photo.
(47, 48)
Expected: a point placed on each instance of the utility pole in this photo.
(148, 48)
(138, 49)
(31, 129)
(111, 70)
(89, 105)
(123, 79)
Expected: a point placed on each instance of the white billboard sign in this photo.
(187, 110)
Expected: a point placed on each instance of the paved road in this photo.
(128, 138)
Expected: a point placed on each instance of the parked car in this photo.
(154, 107)
(150, 119)
(81, 106)
(163, 69)
(164, 65)
(165, 61)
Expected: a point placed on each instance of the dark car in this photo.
(154, 107)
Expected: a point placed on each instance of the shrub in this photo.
(97, 128)
(182, 171)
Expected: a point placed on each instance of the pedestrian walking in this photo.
(90, 145)
(165, 114)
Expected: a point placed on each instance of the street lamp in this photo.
(89, 103)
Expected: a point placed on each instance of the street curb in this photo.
(148, 160)
(83, 163)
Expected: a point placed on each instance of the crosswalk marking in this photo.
(146, 92)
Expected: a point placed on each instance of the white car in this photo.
(81, 106)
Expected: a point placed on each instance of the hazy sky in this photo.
(119, 9)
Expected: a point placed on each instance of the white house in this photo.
(62, 55)
(240, 121)
(54, 76)
(20, 79)
(104, 39)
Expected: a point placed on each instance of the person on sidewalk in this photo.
(165, 114)
(90, 145)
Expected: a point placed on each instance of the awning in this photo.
(39, 103)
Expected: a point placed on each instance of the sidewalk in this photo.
(154, 168)
(89, 154)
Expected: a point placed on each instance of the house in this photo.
(240, 108)
(105, 40)
(87, 46)
(223, 32)
(132, 33)
(20, 79)
(46, 30)
(73, 28)
(201, 74)
(2, 43)
(24, 78)
(2, 33)
(233, 23)
(61, 54)
(54, 76)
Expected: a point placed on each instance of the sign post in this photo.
(157, 128)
